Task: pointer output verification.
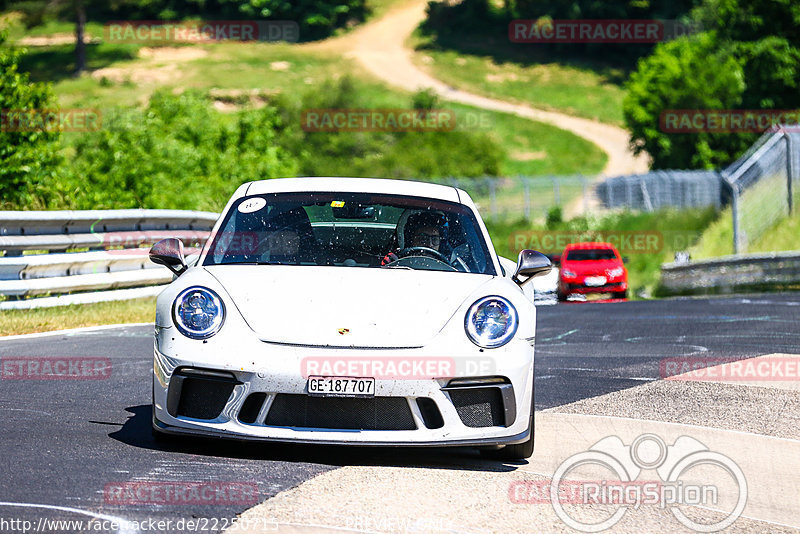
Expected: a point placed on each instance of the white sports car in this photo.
(348, 311)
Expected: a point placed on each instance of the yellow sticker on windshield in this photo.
(337, 203)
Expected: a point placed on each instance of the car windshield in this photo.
(591, 254)
(351, 230)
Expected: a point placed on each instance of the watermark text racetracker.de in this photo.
(200, 31)
(50, 120)
(621, 31)
(764, 368)
(627, 242)
(396, 367)
(392, 120)
(692, 121)
(647, 472)
(55, 368)
(181, 493)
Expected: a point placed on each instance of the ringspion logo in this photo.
(686, 472)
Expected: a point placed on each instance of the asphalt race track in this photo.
(64, 441)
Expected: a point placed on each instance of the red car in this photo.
(592, 268)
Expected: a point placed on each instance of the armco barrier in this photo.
(36, 261)
(730, 273)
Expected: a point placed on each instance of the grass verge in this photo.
(675, 231)
(125, 75)
(75, 316)
(572, 89)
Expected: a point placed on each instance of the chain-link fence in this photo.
(661, 189)
(504, 198)
(763, 185)
(528, 197)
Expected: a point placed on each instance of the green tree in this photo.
(751, 20)
(748, 59)
(316, 18)
(28, 156)
(178, 153)
(688, 73)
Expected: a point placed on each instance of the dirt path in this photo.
(379, 47)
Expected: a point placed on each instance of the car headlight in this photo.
(617, 271)
(491, 322)
(198, 312)
(566, 273)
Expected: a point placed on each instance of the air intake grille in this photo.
(251, 407)
(203, 398)
(478, 407)
(378, 413)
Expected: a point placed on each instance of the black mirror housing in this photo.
(169, 252)
(531, 264)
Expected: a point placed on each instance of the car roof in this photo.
(589, 245)
(353, 185)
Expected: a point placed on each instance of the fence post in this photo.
(648, 205)
(735, 210)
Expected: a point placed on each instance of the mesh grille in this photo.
(203, 398)
(478, 407)
(378, 413)
(251, 407)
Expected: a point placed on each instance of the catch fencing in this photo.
(763, 185)
(529, 197)
(662, 189)
(532, 197)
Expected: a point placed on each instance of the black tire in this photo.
(621, 294)
(161, 437)
(520, 451)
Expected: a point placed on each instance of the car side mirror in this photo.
(556, 259)
(531, 264)
(625, 259)
(169, 252)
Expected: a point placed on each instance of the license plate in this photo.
(595, 281)
(340, 386)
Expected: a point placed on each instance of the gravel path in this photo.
(380, 47)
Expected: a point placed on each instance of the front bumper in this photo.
(428, 412)
(567, 288)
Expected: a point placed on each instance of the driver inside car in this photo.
(285, 238)
(422, 229)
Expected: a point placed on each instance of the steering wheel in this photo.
(422, 251)
(435, 254)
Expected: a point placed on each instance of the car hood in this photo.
(345, 306)
(590, 267)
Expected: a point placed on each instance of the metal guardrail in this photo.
(114, 266)
(728, 273)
